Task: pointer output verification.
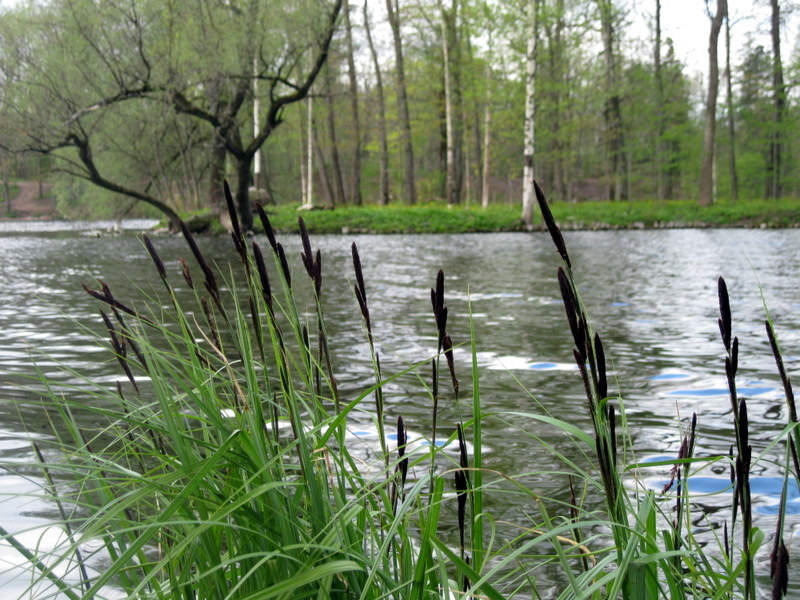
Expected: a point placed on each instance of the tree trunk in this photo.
(257, 179)
(302, 148)
(612, 112)
(530, 78)
(383, 198)
(477, 115)
(454, 35)
(402, 102)
(731, 122)
(442, 155)
(310, 152)
(94, 176)
(322, 169)
(451, 193)
(466, 164)
(40, 176)
(355, 180)
(243, 176)
(6, 185)
(216, 175)
(774, 165)
(338, 177)
(660, 125)
(557, 67)
(487, 138)
(707, 170)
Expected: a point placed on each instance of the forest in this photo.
(138, 105)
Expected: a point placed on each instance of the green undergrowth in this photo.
(432, 217)
(439, 218)
(223, 465)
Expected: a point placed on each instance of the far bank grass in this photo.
(439, 218)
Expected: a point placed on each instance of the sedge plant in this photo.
(223, 466)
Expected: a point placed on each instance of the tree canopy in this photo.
(156, 103)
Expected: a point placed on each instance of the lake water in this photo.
(652, 295)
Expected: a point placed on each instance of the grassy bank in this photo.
(439, 218)
(225, 463)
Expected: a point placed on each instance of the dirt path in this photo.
(28, 205)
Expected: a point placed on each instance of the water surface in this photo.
(652, 295)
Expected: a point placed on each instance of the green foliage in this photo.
(439, 218)
(78, 199)
(141, 89)
(422, 218)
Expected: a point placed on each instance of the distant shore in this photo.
(436, 217)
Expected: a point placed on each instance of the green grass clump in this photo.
(222, 468)
(440, 218)
(399, 218)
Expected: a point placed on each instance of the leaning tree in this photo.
(134, 96)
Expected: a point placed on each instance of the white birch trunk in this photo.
(448, 110)
(256, 129)
(527, 172)
(303, 179)
(310, 155)
(487, 138)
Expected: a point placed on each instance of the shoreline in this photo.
(440, 218)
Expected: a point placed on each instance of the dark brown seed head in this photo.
(402, 441)
(361, 288)
(440, 288)
(439, 309)
(779, 571)
(462, 448)
(725, 313)
(359, 273)
(787, 383)
(600, 355)
(692, 435)
(108, 298)
(307, 255)
(107, 292)
(570, 308)
(612, 429)
(318, 273)
(151, 249)
(267, 227)
(730, 373)
(447, 346)
(211, 282)
(580, 360)
(266, 290)
(550, 222)
(401, 438)
(238, 240)
(744, 426)
(731, 461)
(284, 265)
(112, 332)
(362, 304)
(187, 274)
